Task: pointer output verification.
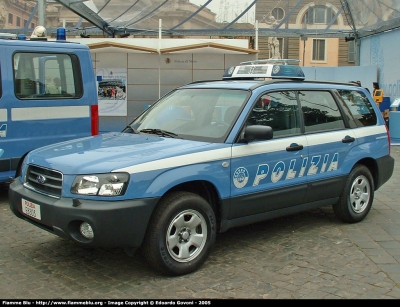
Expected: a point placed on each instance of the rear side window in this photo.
(360, 107)
(320, 111)
(47, 76)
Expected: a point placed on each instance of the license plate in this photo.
(31, 209)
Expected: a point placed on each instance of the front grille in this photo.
(44, 180)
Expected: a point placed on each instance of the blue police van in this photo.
(47, 94)
(209, 156)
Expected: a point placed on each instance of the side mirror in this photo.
(257, 133)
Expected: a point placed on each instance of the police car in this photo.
(208, 156)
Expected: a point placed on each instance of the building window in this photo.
(18, 21)
(25, 23)
(10, 18)
(278, 13)
(32, 25)
(318, 53)
(319, 14)
(352, 53)
(280, 39)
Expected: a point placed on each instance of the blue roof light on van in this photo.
(265, 69)
(61, 34)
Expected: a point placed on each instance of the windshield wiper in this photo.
(159, 132)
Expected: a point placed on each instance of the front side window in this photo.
(47, 76)
(320, 111)
(279, 110)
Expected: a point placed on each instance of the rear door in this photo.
(329, 144)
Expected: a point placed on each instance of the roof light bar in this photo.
(265, 69)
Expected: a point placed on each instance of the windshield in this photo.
(193, 114)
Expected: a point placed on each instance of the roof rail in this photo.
(8, 36)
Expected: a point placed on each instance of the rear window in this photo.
(46, 76)
(360, 107)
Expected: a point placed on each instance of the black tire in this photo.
(358, 194)
(180, 234)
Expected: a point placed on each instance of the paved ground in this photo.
(305, 256)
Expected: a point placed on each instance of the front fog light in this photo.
(86, 230)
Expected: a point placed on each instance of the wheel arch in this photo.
(18, 170)
(371, 164)
(204, 189)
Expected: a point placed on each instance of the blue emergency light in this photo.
(265, 69)
(61, 34)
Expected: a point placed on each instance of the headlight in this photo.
(113, 184)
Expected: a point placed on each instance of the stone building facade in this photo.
(311, 50)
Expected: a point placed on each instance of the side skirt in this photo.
(246, 220)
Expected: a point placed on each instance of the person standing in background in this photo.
(57, 84)
(51, 88)
(375, 86)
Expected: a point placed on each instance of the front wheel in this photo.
(356, 199)
(180, 234)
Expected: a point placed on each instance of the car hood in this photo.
(111, 151)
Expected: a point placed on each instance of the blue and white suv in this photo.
(209, 156)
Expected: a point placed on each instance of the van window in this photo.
(47, 76)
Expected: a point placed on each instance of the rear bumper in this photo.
(385, 170)
(115, 224)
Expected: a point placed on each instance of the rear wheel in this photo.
(180, 234)
(358, 194)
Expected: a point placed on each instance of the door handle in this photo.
(294, 147)
(348, 139)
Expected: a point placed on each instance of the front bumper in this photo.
(115, 223)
